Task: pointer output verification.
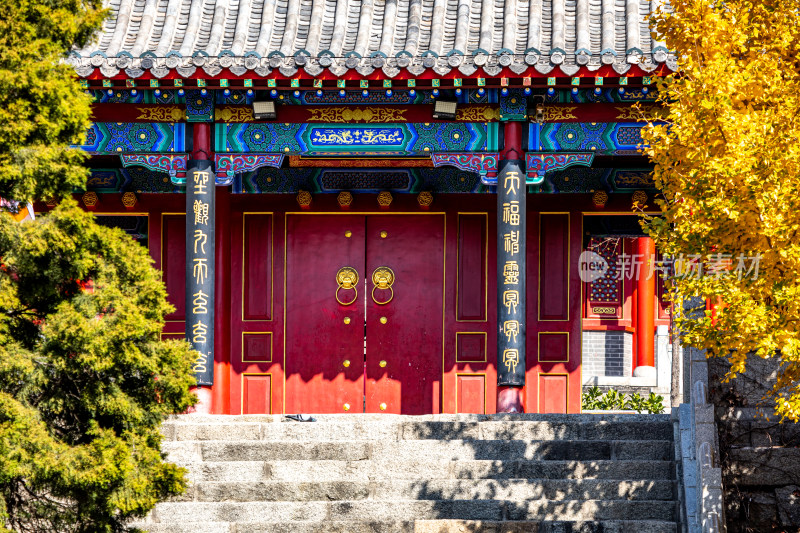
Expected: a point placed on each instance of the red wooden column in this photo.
(511, 253)
(221, 390)
(645, 309)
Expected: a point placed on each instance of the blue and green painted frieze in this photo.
(116, 137)
(411, 180)
(409, 138)
(585, 136)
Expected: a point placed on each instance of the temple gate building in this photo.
(369, 206)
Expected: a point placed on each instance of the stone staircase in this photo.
(441, 473)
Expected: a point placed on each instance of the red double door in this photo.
(365, 313)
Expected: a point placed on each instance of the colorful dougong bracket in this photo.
(485, 164)
(172, 164)
(538, 164)
(228, 165)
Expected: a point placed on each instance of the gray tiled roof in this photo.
(257, 36)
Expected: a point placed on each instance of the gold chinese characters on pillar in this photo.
(511, 274)
(200, 267)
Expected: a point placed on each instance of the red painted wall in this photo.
(467, 364)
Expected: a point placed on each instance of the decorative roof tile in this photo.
(203, 37)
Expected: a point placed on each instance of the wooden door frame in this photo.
(368, 213)
(447, 205)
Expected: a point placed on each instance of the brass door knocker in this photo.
(347, 279)
(383, 278)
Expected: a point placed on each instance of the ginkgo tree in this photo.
(727, 160)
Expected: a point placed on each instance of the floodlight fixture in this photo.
(264, 110)
(444, 110)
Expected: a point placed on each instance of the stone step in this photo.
(432, 450)
(639, 427)
(420, 526)
(197, 418)
(242, 471)
(361, 510)
(432, 489)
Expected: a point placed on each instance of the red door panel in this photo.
(472, 254)
(552, 393)
(471, 393)
(257, 392)
(173, 263)
(470, 362)
(404, 351)
(256, 341)
(553, 380)
(318, 341)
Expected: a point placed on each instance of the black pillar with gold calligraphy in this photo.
(511, 209)
(200, 267)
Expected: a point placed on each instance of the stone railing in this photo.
(697, 453)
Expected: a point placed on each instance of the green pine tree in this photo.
(85, 380)
(42, 108)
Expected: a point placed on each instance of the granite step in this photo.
(398, 511)
(390, 429)
(419, 526)
(613, 417)
(609, 473)
(432, 450)
(244, 471)
(432, 489)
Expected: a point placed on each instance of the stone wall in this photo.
(760, 456)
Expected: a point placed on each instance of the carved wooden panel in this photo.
(256, 392)
(173, 263)
(256, 347)
(471, 393)
(554, 310)
(553, 390)
(257, 276)
(471, 267)
(553, 347)
(471, 347)
(471, 302)
(554, 267)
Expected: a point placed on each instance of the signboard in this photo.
(200, 267)
(511, 274)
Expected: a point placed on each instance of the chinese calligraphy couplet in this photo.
(511, 274)
(200, 267)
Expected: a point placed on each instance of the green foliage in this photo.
(612, 400)
(42, 108)
(85, 380)
(590, 399)
(727, 161)
(593, 399)
(652, 404)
